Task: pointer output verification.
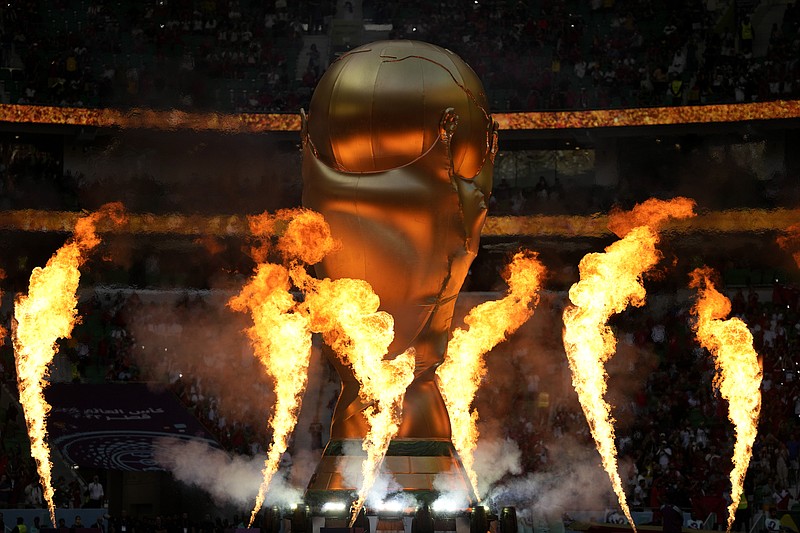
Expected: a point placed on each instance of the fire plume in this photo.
(609, 282)
(282, 342)
(738, 376)
(280, 335)
(652, 213)
(346, 312)
(790, 241)
(48, 312)
(488, 324)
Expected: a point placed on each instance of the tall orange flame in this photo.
(464, 367)
(281, 335)
(346, 312)
(610, 281)
(738, 376)
(282, 342)
(48, 312)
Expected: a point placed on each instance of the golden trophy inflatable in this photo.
(398, 148)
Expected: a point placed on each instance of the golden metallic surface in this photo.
(397, 156)
(730, 221)
(535, 120)
(379, 107)
(413, 473)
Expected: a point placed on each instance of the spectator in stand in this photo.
(94, 494)
(20, 527)
(34, 497)
(746, 36)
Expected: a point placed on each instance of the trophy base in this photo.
(421, 469)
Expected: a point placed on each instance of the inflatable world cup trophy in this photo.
(398, 148)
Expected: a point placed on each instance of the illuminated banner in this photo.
(174, 120)
(116, 426)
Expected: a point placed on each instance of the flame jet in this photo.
(488, 324)
(738, 376)
(609, 281)
(346, 312)
(280, 336)
(48, 312)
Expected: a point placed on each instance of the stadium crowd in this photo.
(225, 55)
(673, 436)
(601, 54)
(228, 55)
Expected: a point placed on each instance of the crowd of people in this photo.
(673, 436)
(125, 523)
(600, 54)
(228, 55)
(674, 440)
(221, 55)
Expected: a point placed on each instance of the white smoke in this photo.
(576, 482)
(304, 463)
(349, 464)
(494, 458)
(450, 498)
(385, 485)
(228, 479)
(383, 489)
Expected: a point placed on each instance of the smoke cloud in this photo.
(494, 459)
(576, 481)
(228, 479)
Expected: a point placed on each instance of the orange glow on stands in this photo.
(463, 369)
(648, 116)
(535, 120)
(149, 119)
(609, 281)
(738, 376)
(728, 221)
(47, 313)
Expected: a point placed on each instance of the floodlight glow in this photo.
(446, 505)
(390, 506)
(334, 506)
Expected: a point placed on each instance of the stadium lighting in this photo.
(334, 507)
